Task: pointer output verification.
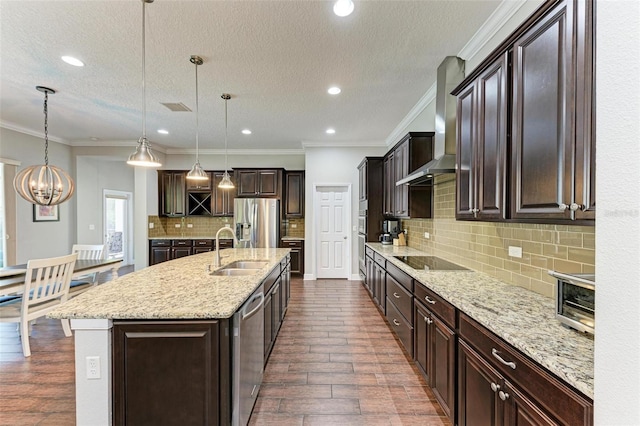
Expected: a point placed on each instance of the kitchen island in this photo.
(166, 329)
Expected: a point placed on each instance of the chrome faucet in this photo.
(235, 239)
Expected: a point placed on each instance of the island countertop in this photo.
(521, 317)
(177, 289)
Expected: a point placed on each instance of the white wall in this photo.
(332, 165)
(40, 239)
(617, 359)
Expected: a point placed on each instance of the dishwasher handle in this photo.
(245, 314)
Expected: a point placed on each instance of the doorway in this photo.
(332, 208)
(118, 220)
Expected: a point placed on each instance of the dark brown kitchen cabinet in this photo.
(523, 393)
(222, 198)
(399, 305)
(414, 150)
(171, 372)
(552, 141)
(258, 182)
(275, 293)
(481, 183)
(294, 194)
(200, 185)
(171, 191)
(181, 248)
(159, 251)
(297, 255)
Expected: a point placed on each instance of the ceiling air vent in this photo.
(176, 106)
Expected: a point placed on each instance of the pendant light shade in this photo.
(196, 172)
(225, 183)
(43, 184)
(143, 156)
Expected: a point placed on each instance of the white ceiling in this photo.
(276, 58)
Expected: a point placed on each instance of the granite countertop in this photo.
(288, 238)
(177, 289)
(521, 317)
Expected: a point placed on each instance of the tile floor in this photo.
(335, 362)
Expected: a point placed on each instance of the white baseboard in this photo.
(355, 277)
(309, 277)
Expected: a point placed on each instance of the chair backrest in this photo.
(89, 251)
(48, 279)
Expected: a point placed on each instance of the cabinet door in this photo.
(172, 193)
(268, 325)
(247, 181)
(465, 159)
(491, 158)
(370, 277)
(268, 183)
(421, 339)
(159, 254)
(362, 182)
(178, 252)
(294, 195)
(520, 410)
(389, 185)
(478, 403)
(153, 361)
(276, 306)
(200, 185)
(443, 350)
(401, 166)
(542, 124)
(222, 203)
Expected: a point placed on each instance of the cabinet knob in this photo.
(503, 395)
(495, 387)
(575, 207)
(563, 206)
(429, 321)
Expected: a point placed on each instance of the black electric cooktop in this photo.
(429, 263)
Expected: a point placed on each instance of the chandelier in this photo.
(44, 184)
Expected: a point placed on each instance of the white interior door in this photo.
(332, 232)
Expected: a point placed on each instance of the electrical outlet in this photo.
(92, 227)
(515, 251)
(93, 367)
(151, 225)
(293, 225)
(189, 225)
(177, 225)
(426, 235)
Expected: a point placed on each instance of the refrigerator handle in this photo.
(256, 228)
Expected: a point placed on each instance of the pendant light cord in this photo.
(144, 92)
(225, 135)
(46, 129)
(197, 117)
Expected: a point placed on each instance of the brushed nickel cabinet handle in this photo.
(396, 295)
(430, 300)
(497, 356)
(396, 322)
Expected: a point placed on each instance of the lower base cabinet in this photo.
(297, 255)
(171, 372)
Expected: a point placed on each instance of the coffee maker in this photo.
(390, 230)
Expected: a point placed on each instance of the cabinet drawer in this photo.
(555, 396)
(181, 243)
(436, 304)
(380, 260)
(160, 243)
(399, 324)
(226, 244)
(291, 244)
(401, 277)
(368, 252)
(401, 298)
(203, 243)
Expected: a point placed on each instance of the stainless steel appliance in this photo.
(248, 356)
(369, 205)
(257, 222)
(575, 300)
(390, 230)
(430, 263)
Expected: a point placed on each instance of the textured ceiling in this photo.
(276, 58)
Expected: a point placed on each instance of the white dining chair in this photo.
(46, 286)
(86, 252)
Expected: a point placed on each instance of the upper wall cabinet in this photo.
(294, 194)
(482, 145)
(552, 117)
(536, 164)
(222, 198)
(171, 193)
(258, 182)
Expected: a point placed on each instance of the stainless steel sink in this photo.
(247, 264)
(234, 272)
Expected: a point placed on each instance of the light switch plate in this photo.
(92, 227)
(515, 251)
(177, 225)
(151, 225)
(189, 225)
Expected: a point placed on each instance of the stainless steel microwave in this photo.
(575, 300)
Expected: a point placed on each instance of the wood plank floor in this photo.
(335, 362)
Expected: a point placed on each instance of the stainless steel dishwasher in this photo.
(248, 356)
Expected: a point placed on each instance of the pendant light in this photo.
(196, 172)
(44, 184)
(225, 183)
(143, 156)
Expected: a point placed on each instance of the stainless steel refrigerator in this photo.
(257, 222)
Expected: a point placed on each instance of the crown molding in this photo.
(191, 151)
(399, 131)
(30, 132)
(346, 144)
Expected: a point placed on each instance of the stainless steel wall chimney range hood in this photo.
(450, 74)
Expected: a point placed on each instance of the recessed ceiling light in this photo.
(331, 131)
(334, 90)
(163, 131)
(246, 132)
(73, 61)
(343, 7)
